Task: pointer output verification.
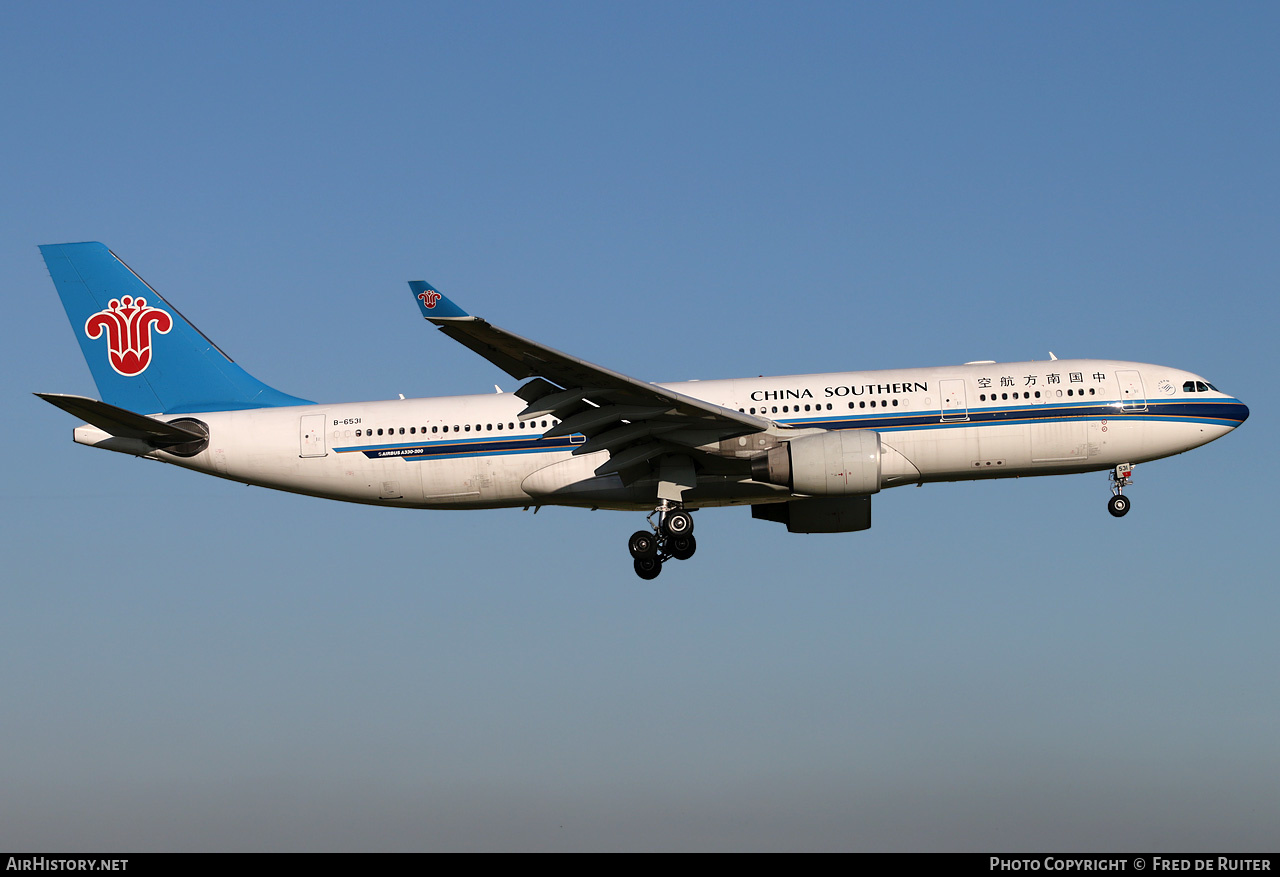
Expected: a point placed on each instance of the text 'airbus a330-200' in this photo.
(806, 451)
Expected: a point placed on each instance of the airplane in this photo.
(805, 451)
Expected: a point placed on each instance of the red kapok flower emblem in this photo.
(127, 323)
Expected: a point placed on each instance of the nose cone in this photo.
(1236, 412)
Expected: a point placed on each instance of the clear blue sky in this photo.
(675, 191)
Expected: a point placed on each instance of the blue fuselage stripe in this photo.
(1225, 412)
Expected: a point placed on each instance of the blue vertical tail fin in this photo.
(143, 354)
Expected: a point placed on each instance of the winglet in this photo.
(433, 304)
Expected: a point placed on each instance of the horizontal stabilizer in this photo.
(122, 423)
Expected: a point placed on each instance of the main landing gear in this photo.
(1121, 477)
(671, 538)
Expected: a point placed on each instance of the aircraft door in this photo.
(312, 438)
(954, 404)
(1132, 396)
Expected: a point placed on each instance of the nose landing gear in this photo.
(672, 537)
(1121, 477)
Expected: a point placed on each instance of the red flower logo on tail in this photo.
(429, 298)
(127, 323)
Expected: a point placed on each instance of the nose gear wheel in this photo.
(1121, 477)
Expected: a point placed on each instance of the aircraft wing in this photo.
(635, 421)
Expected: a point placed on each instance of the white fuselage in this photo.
(979, 420)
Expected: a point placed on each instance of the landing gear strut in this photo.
(671, 537)
(1121, 477)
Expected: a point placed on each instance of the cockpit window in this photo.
(1199, 387)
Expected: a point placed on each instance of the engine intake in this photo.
(840, 462)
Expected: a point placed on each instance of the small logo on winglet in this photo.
(429, 298)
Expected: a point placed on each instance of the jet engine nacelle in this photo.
(839, 462)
